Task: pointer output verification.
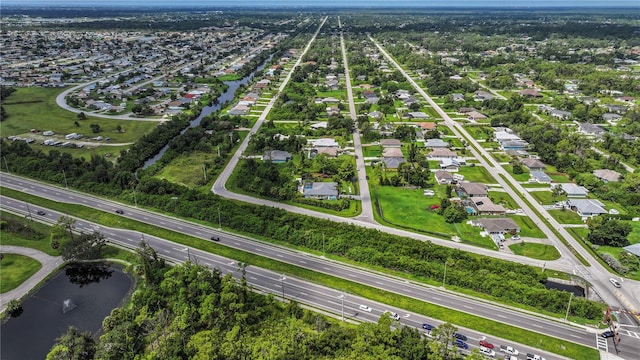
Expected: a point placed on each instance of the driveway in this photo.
(49, 264)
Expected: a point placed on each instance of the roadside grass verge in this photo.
(566, 216)
(513, 333)
(527, 227)
(535, 251)
(40, 243)
(16, 269)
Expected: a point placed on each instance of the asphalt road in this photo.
(627, 297)
(435, 295)
(313, 295)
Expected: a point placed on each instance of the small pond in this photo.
(575, 289)
(81, 295)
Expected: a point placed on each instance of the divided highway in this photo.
(533, 322)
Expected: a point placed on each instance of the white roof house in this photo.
(573, 190)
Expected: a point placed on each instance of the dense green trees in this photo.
(608, 231)
(192, 312)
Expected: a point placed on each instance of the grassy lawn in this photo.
(479, 132)
(503, 198)
(535, 251)
(527, 227)
(85, 152)
(501, 157)
(566, 216)
(186, 169)
(372, 151)
(477, 174)
(39, 242)
(15, 269)
(35, 108)
(545, 198)
(518, 177)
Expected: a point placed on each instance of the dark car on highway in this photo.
(460, 336)
(215, 238)
(607, 334)
(119, 212)
(461, 344)
(427, 327)
(41, 213)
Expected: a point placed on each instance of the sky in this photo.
(329, 3)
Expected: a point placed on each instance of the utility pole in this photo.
(65, 179)
(204, 172)
(135, 199)
(569, 305)
(219, 219)
(28, 210)
(342, 298)
(5, 163)
(282, 279)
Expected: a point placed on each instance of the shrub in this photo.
(615, 264)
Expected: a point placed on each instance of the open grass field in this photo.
(566, 216)
(479, 132)
(545, 198)
(15, 269)
(35, 108)
(519, 177)
(410, 209)
(476, 174)
(372, 151)
(503, 198)
(186, 169)
(535, 251)
(527, 227)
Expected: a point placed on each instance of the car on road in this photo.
(364, 308)
(486, 351)
(41, 213)
(428, 327)
(119, 212)
(460, 336)
(534, 357)
(215, 238)
(393, 315)
(461, 344)
(486, 344)
(607, 334)
(615, 282)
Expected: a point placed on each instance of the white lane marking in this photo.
(303, 293)
(467, 306)
(502, 316)
(326, 268)
(436, 298)
(302, 261)
(536, 325)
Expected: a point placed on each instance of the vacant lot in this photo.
(535, 251)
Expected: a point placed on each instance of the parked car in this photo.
(215, 238)
(365, 308)
(461, 344)
(487, 352)
(41, 213)
(615, 282)
(485, 343)
(607, 334)
(428, 327)
(119, 212)
(460, 336)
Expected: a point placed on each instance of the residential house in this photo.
(530, 93)
(330, 100)
(618, 109)
(449, 164)
(428, 126)
(533, 164)
(560, 114)
(436, 144)
(443, 177)
(239, 110)
(320, 190)
(591, 130)
(465, 110)
(376, 115)
(319, 125)
(276, 156)
(475, 116)
(457, 97)
(437, 154)
(482, 95)
(388, 143)
(471, 189)
(324, 142)
(331, 152)
(497, 225)
(540, 177)
(416, 115)
(586, 208)
(513, 145)
(484, 206)
(611, 117)
(393, 162)
(573, 190)
(392, 152)
(607, 175)
(633, 249)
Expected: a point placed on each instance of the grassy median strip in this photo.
(487, 326)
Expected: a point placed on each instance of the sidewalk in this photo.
(49, 264)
